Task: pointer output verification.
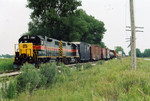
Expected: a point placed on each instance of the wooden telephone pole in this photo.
(133, 39)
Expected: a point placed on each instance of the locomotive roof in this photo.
(80, 43)
(76, 42)
(40, 36)
(24, 37)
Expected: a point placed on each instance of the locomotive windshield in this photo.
(30, 39)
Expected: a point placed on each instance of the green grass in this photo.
(113, 81)
(6, 64)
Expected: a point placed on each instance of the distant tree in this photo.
(6, 56)
(147, 53)
(61, 20)
(138, 53)
(119, 48)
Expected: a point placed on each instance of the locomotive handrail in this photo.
(16, 49)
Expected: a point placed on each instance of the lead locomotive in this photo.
(36, 49)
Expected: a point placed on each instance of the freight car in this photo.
(96, 52)
(107, 54)
(36, 49)
(84, 51)
(103, 53)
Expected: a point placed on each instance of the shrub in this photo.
(1, 98)
(29, 79)
(65, 69)
(78, 66)
(9, 90)
(87, 66)
(101, 62)
(48, 72)
(63, 74)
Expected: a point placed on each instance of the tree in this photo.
(119, 48)
(146, 53)
(138, 53)
(6, 56)
(94, 29)
(48, 17)
(61, 20)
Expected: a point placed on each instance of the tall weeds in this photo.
(6, 65)
(110, 81)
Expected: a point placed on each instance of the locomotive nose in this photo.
(26, 49)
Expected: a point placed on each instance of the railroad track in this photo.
(8, 74)
(10, 71)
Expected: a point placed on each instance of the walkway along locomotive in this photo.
(36, 49)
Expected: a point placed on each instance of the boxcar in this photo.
(103, 53)
(107, 54)
(84, 51)
(95, 52)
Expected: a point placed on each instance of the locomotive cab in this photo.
(25, 52)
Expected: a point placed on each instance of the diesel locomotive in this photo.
(37, 49)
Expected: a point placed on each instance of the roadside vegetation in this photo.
(113, 80)
(6, 64)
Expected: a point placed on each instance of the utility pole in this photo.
(133, 41)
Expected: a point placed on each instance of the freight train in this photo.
(36, 50)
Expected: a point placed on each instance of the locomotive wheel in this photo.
(76, 60)
(66, 61)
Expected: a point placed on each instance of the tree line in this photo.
(62, 20)
(6, 56)
(146, 53)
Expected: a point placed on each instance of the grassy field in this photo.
(6, 64)
(113, 81)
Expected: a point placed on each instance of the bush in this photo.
(48, 72)
(78, 66)
(9, 90)
(87, 66)
(63, 74)
(65, 69)
(29, 79)
(101, 62)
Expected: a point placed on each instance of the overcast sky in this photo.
(14, 19)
